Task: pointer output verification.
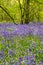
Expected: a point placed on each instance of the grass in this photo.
(19, 47)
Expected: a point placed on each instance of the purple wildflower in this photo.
(10, 52)
(16, 63)
(26, 58)
(33, 62)
(2, 53)
(20, 59)
(30, 29)
(6, 33)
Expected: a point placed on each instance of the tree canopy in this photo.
(21, 11)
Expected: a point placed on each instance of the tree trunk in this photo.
(27, 11)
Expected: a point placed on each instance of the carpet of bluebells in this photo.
(21, 44)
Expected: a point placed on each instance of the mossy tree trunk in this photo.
(27, 2)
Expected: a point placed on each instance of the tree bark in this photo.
(27, 11)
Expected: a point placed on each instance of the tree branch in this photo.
(7, 13)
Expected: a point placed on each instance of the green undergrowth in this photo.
(20, 47)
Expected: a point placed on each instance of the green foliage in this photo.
(22, 11)
(21, 47)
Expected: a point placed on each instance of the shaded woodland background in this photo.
(21, 11)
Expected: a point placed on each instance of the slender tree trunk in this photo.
(20, 11)
(27, 11)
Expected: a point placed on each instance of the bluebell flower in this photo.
(10, 52)
(33, 62)
(1, 54)
(20, 58)
(30, 29)
(28, 62)
(16, 63)
(6, 33)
